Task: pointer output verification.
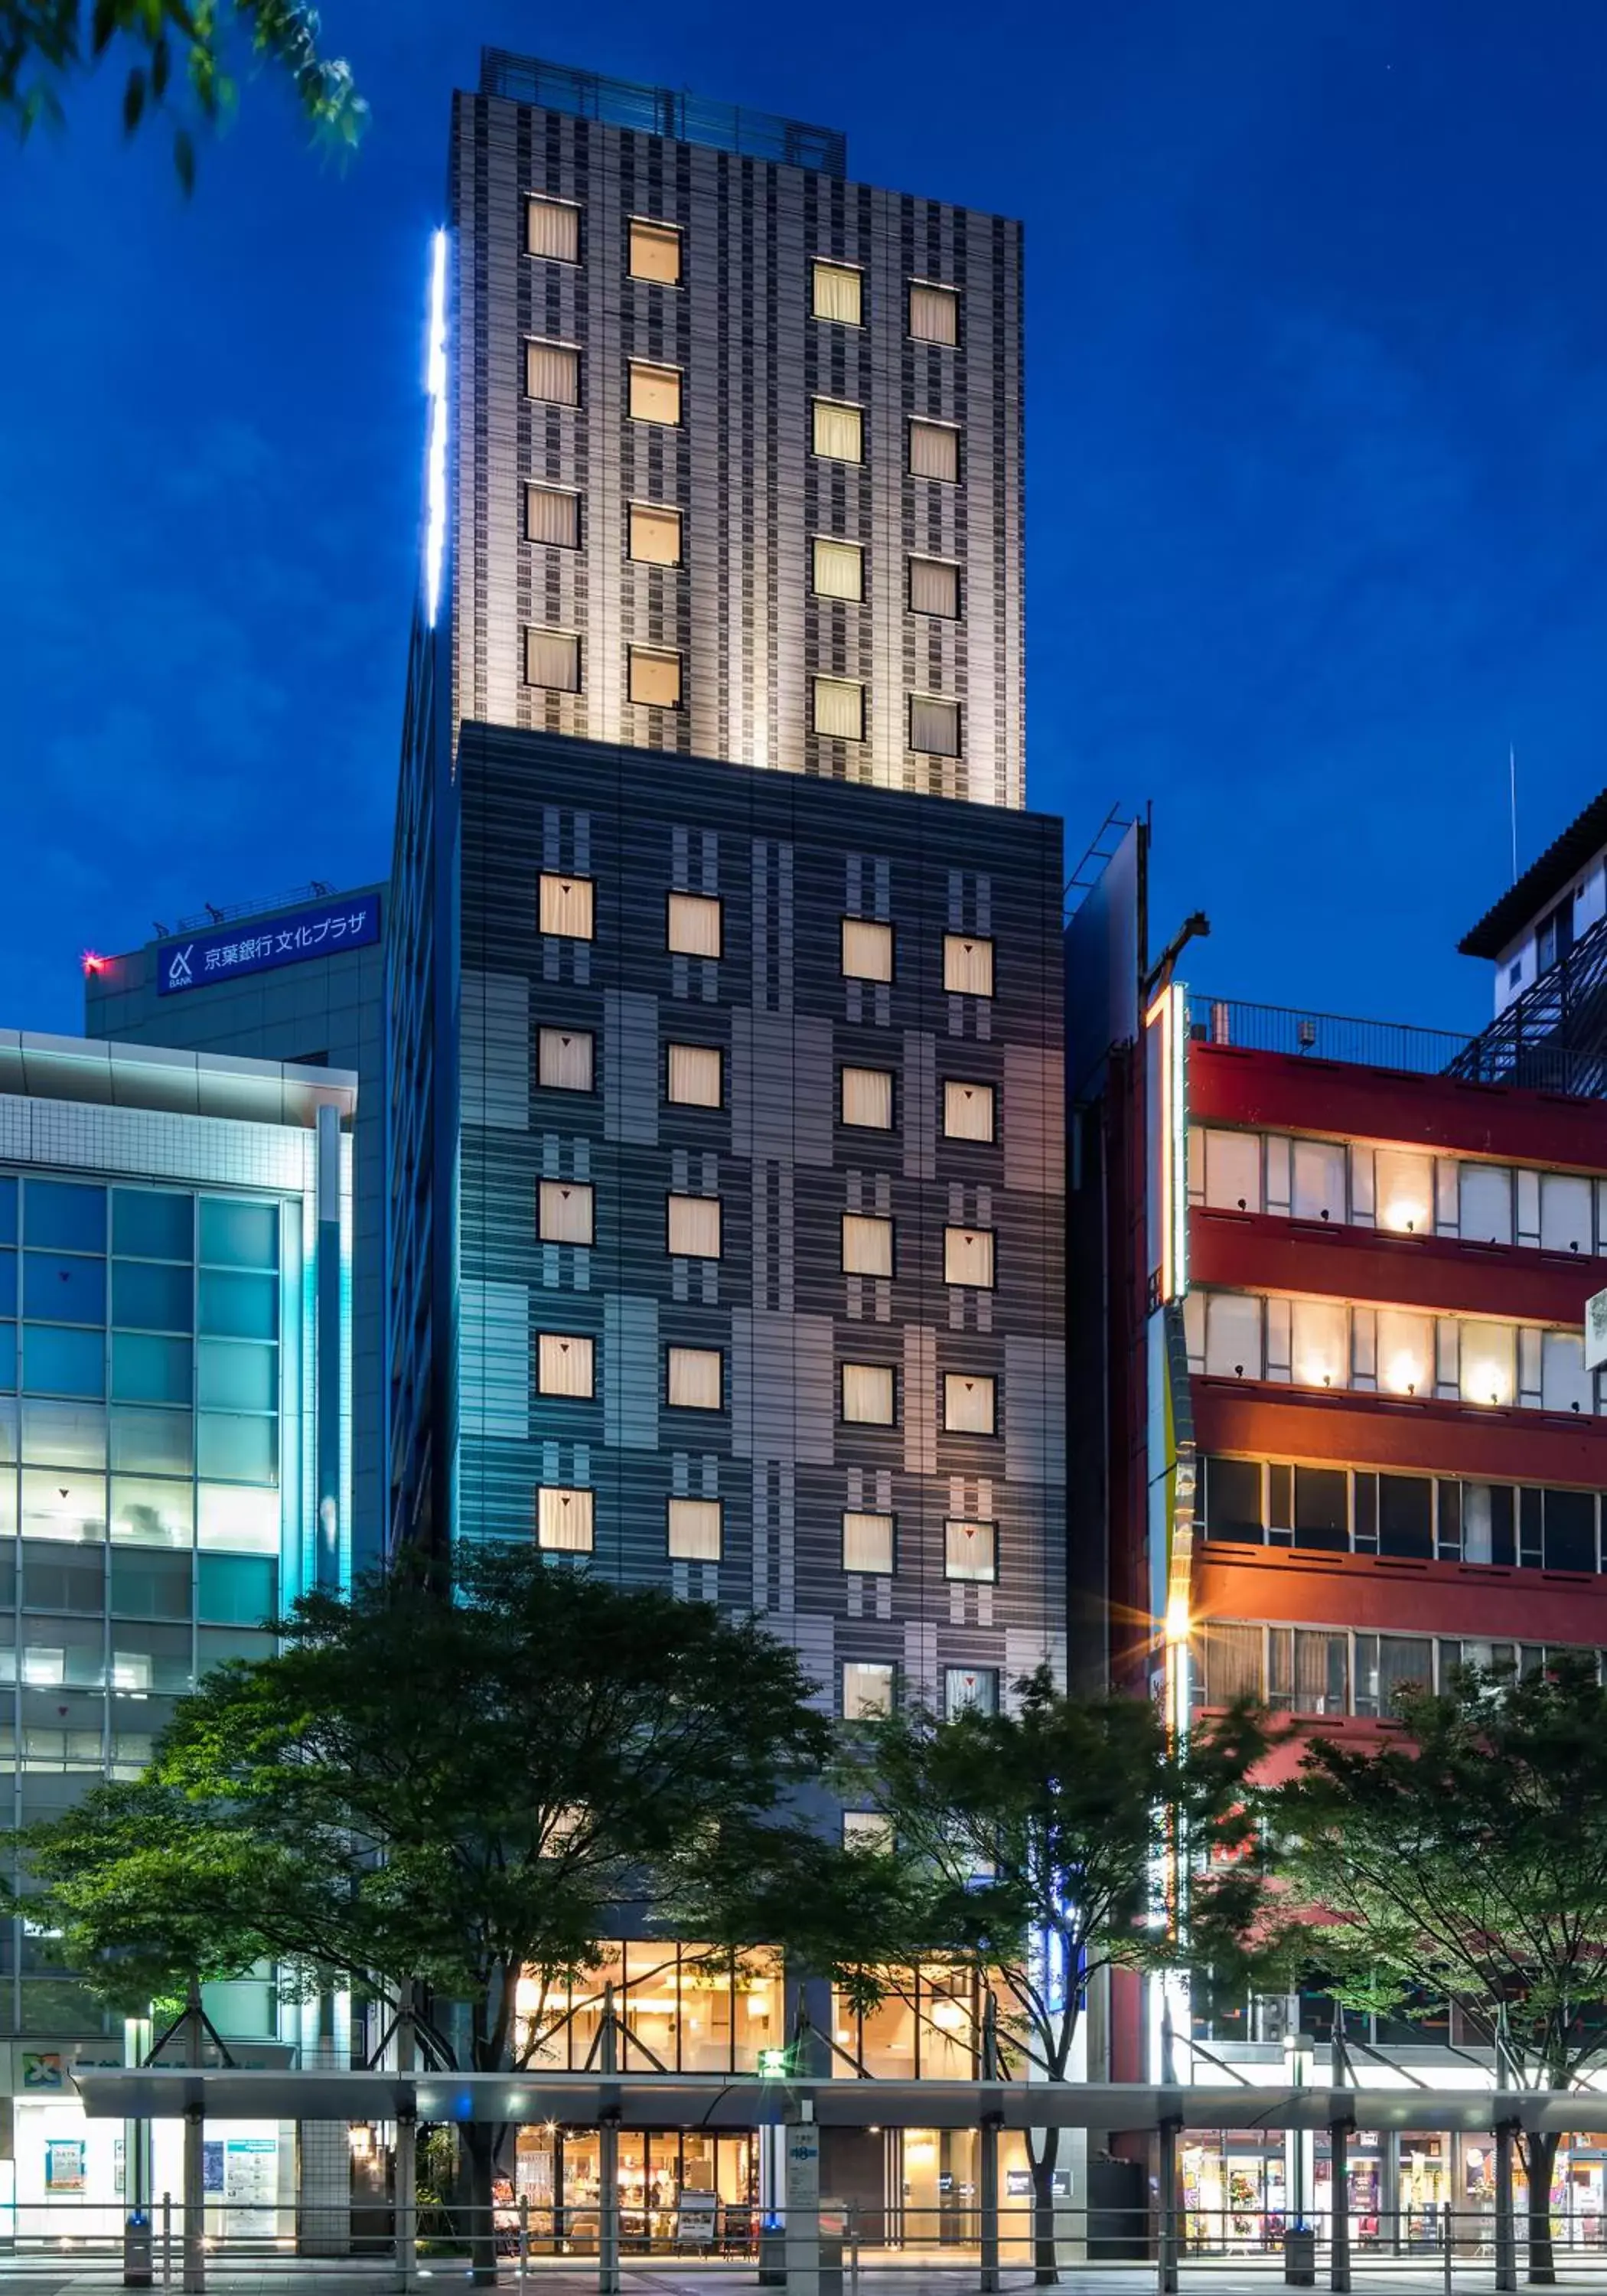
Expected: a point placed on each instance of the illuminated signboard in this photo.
(289, 936)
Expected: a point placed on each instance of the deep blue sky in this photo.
(1317, 443)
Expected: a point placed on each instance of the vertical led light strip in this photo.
(435, 532)
(1168, 1018)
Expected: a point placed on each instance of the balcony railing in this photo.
(663, 111)
(1553, 1037)
(1324, 1036)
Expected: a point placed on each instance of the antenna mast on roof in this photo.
(1512, 779)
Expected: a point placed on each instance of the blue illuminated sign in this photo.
(287, 937)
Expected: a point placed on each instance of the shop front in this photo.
(666, 2177)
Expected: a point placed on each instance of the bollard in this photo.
(166, 2240)
(524, 2237)
(1444, 2212)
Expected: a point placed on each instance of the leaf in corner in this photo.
(183, 158)
(103, 25)
(134, 100)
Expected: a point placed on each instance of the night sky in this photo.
(1316, 444)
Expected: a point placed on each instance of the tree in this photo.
(458, 1793)
(182, 50)
(1026, 1852)
(1463, 1859)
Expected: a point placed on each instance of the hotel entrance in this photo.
(558, 2178)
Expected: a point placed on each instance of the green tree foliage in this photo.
(446, 1793)
(1464, 1859)
(183, 60)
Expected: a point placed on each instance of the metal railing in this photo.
(663, 111)
(1324, 1036)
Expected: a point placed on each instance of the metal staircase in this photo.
(1554, 1036)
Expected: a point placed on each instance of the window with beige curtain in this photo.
(967, 1111)
(565, 1364)
(695, 1379)
(868, 1689)
(655, 251)
(969, 1400)
(655, 393)
(655, 677)
(551, 515)
(934, 726)
(838, 570)
(692, 1227)
(692, 1077)
(867, 1098)
(934, 451)
(695, 1530)
(552, 229)
(552, 658)
(866, 1829)
(968, 1257)
(934, 588)
(655, 534)
(693, 925)
(563, 1060)
(867, 1244)
(968, 1550)
(967, 964)
(934, 313)
(1489, 1362)
(838, 431)
(836, 292)
(869, 1393)
(563, 1519)
(1404, 1352)
(1320, 1343)
(867, 1543)
(552, 372)
(867, 949)
(565, 905)
(840, 709)
(564, 1211)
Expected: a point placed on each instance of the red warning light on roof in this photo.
(93, 963)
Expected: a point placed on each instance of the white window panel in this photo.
(1529, 1206)
(551, 229)
(1405, 1352)
(1565, 1209)
(934, 451)
(695, 1379)
(836, 292)
(1447, 1357)
(867, 1098)
(1478, 1524)
(1489, 1363)
(934, 588)
(1320, 1343)
(971, 1690)
(1193, 1329)
(565, 1211)
(655, 679)
(1278, 1177)
(867, 949)
(1233, 1336)
(868, 1543)
(1276, 1322)
(934, 726)
(692, 1227)
(837, 431)
(868, 1690)
(551, 515)
(1565, 1384)
(654, 393)
(837, 567)
(655, 251)
(967, 964)
(552, 372)
(1447, 1193)
(869, 1395)
(563, 1060)
(970, 1400)
(693, 925)
(1363, 1190)
(968, 1110)
(867, 1244)
(1233, 1169)
(840, 709)
(1364, 1353)
(968, 1257)
(1404, 1191)
(696, 1529)
(551, 659)
(565, 905)
(565, 1364)
(968, 1550)
(563, 1519)
(934, 313)
(1485, 1213)
(1319, 1180)
(693, 1077)
(1529, 1366)
(655, 534)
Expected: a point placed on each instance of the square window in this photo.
(563, 1060)
(655, 251)
(970, 1403)
(696, 1530)
(655, 534)
(837, 567)
(836, 292)
(551, 515)
(692, 1227)
(563, 1519)
(655, 679)
(551, 229)
(934, 313)
(967, 964)
(934, 726)
(840, 709)
(837, 431)
(867, 949)
(565, 1366)
(867, 1245)
(695, 1379)
(551, 372)
(565, 1211)
(973, 1689)
(968, 1110)
(565, 905)
(968, 1551)
(868, 1543)
(692, 1076)
(869, 1395)
(934, 588)
(693, 925)
(866, 1829)
(968, 1257)
(867, 1098)
(551, 659)
(934, 451)
(868, 1690)
(655, 393)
